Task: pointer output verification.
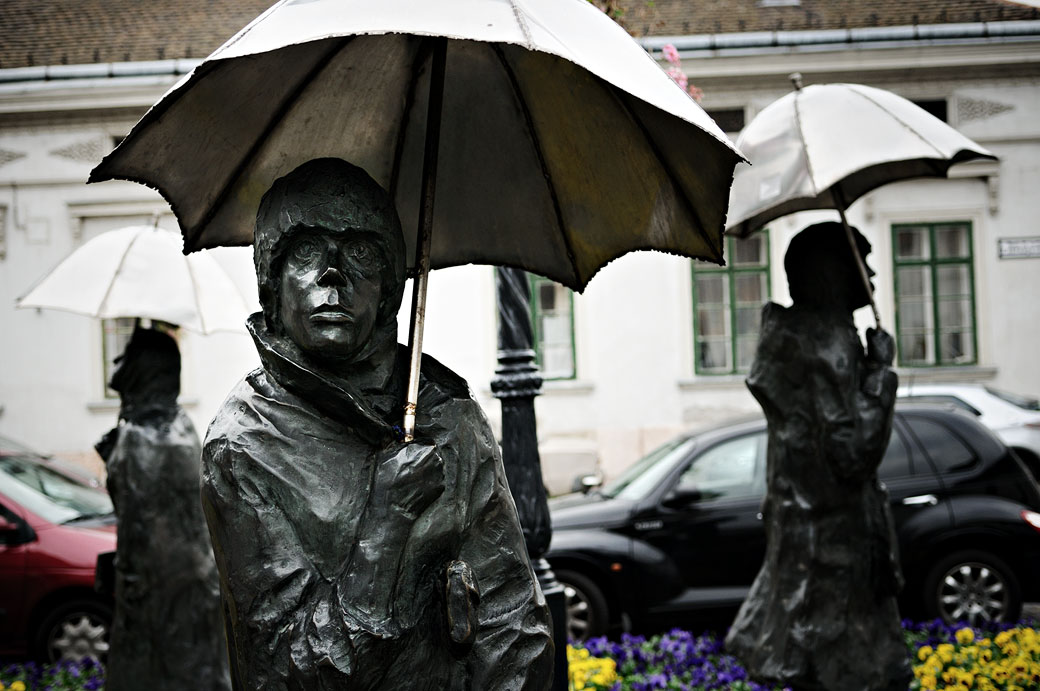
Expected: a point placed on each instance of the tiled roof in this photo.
(684, 17)
(55, 32)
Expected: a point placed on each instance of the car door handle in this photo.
(929, 499)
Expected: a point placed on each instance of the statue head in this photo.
(329, 258)
(148, 373)
(821, 268)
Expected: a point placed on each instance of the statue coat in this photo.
(822, 612)
(335, 540)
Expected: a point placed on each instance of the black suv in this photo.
(679, 535)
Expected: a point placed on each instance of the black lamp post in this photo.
(515, 384)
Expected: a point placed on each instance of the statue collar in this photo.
(369, 412)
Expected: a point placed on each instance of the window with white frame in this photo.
(728, 303)
(935, 293)
(552, 316)
(115, 334)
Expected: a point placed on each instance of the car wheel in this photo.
(974, 587)
(73, 630)
(586, 606)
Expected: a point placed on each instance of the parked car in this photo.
(52, 530)
(1015, 418)
(680, 534)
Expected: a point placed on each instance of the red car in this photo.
(53, 527)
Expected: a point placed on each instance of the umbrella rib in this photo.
(529, 120)
(115, 275)
(805, 146)
(276, 118)
(395, 173)
(195, 296)
(658, 154)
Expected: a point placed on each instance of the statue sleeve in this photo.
(513, 640)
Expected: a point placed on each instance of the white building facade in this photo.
(656, 344)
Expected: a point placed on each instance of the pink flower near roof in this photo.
(670, 53)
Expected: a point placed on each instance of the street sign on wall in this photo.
(1018, 248)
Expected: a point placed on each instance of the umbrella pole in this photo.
(425, 234)
(861, 265)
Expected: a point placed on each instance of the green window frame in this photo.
(552, 320)
(727, 305)
(934, 278)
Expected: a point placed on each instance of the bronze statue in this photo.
(167, 630)
(348, 558)
(822, 612)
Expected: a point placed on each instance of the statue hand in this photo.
(463, 597)
(881, 347)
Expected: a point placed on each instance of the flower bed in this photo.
(1000, 657)
(87, 675)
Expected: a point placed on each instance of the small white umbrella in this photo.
(140, 271)
(826, 145)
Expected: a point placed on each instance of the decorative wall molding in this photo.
(86, 151)
(8, 156)
(969, 109)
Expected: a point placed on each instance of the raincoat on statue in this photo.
(167, 630)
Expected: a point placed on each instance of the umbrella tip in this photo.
(796, 79)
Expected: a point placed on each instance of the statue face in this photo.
(330, 291)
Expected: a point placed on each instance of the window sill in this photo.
(713, 382)
(110, 405)
(945, 374)
(563, 387)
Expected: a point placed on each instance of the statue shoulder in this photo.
(443, 378)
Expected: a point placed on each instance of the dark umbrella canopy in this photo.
(562, 144)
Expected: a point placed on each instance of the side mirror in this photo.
(680, 497)
(586, 483)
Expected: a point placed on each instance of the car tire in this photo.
(73, 630)
(972, 586)
(587, 613)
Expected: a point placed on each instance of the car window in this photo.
(941, 399)
(947, 451)
(896, 462)
(1023, 402)
(732, 469)
(48, 493)
(646, 473)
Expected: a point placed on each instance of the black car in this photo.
(679, 535)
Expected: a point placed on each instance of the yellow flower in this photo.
(929, 681)
(924, 652)
(964, 636)
(17, 686)
(945, 652)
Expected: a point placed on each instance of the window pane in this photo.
(712, 289)
(746, 348)
(915, 315)
(915, 281)
(749, 251)
(712, 322)
(546, 297)
(953, 280)
(750, 288)
(956, 347)
(912, 243)
(748, 319)
(713, 355)
(554, 328)
(914, 348)
(955, 314)
(951, 241)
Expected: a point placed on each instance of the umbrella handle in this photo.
(425, 234)
(861, 266)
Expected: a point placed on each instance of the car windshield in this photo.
(648, 471)
(1023, 402)
(48, 493)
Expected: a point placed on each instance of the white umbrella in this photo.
(826, 145)
(140, 271)
(555, 142)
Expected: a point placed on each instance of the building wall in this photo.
(635, 383)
